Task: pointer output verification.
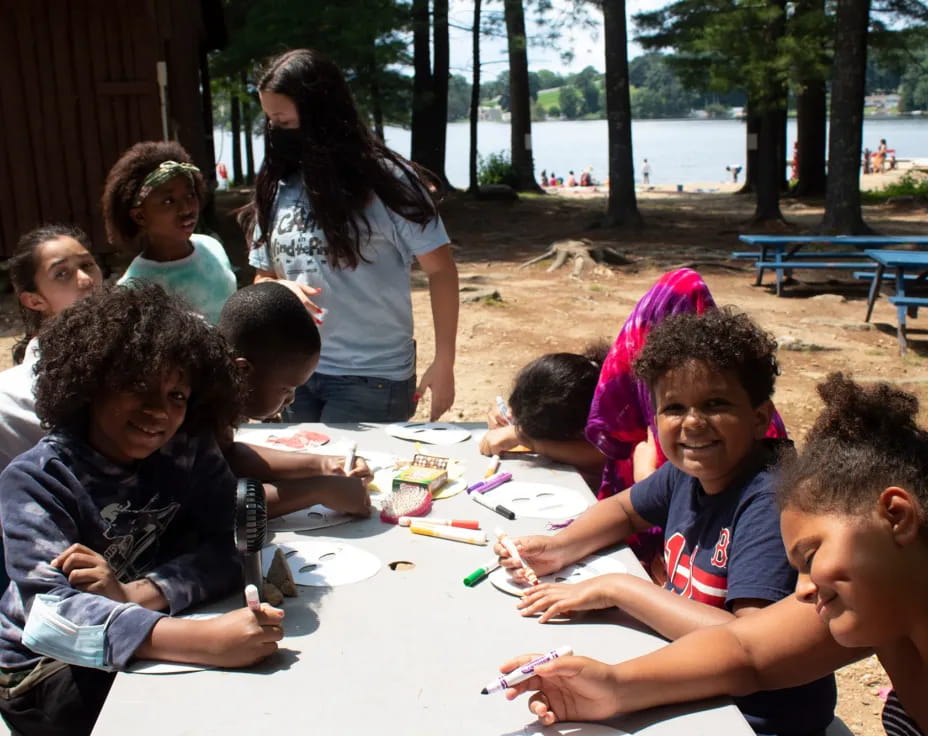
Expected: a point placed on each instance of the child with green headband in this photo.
(151, 201)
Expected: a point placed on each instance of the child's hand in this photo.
(349, 495)
(569, 689)
(499, 440)
(540, 552)
(335, 465)
(439, 380)
(553, 600)
(644, 458)
(88, 571)
(303, 292)
(495, 419)
(243, 637)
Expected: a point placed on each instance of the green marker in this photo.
(481, 572)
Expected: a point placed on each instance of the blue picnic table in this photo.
(900, 261)
(781, 253)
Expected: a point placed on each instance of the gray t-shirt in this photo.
(368, 328)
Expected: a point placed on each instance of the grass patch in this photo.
(910, 185)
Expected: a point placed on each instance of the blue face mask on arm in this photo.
(48, 632)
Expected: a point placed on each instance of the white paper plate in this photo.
(540, 500)
(296, 438)
(154, 667)
(433, 433)
(585, 569)
(315, 517)
(328, 562)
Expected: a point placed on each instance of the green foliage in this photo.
(569, 102)
(548, 97)
(496, 168)
(554, 111)
(656, 91)
(458, 98)
(910, 185)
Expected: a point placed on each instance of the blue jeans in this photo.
(350, 399)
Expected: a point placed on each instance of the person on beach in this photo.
(734, 170)
(339, 218)
(571, 180)
(646, 173)
(879, 158)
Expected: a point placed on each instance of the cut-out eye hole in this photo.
(544, 494)
(560, 580)
(315, 515)
(309, 568)
(288, 552)
(579, 564)
(519, 500)
(401, 565)
(327, 557)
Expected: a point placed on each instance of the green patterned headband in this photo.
(166, 171)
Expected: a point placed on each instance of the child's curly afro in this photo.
(123, 339)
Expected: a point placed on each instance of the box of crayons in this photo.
(426, 471)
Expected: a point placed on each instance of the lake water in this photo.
(679, 151)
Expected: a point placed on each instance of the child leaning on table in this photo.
(711, 377)
(122, 514)
(275, 346)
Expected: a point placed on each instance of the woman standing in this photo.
(339, 218)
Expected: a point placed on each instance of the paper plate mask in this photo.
(328, 562)
(587, 568)
(572, 729)
(540, 500)
(433, 433)
(315, 517)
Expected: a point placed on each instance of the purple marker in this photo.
(494, 482)
(520, 674)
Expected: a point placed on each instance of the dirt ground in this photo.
(511, 315)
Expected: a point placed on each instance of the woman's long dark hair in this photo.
(343, 162)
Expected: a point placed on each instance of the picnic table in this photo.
(781, 253)
(407, 650)
(901, 262)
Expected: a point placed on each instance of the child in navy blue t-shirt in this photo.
(711, 378)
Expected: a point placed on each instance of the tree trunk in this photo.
(236, 123)
(376, 104)
(623, 207)
(474, 185)
(770, 167)
(440, 75)
(752, 135)
(430, 87)
(842, 194)
(811, 126)
(520, 101)
(422, 82)
(248, 120)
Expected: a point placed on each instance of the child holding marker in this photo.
(547, 411)
(711, 378)
(151, 202)
(853, 509)
(122, 513)
(276, 346)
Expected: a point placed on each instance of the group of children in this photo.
(116, 439)
(749, 531)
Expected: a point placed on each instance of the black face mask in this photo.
(285, 145)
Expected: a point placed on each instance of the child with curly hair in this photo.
(151, 202)
(711, 377)
(854, 517)
(51, 269)
(122, 514)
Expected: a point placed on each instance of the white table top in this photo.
(403, 652)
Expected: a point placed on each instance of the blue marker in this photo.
(503, 411)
